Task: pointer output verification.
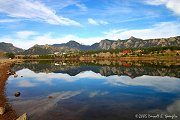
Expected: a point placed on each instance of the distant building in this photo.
(56, 53)
(138, 51)
(56, 64)
(64, 64)
(126, 51)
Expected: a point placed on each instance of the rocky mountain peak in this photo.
(9, 47)
(134, 38)
(105, 44)
(72, 42)
(36, 45)
(105, 40)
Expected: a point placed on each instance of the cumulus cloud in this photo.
(173, 5)
(94, 22)
(33, 10)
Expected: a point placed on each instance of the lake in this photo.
(58, 90)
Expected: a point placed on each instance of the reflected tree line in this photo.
(105, 68)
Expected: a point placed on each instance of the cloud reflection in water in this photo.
(164, 84)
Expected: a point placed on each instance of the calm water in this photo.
(53, 91)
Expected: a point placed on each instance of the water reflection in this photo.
(38, 107)
(130, 69)
(86, 92)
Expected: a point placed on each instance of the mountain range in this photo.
(73, 46)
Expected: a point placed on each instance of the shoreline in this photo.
(10, 61)
(128, 58)
(5, 65)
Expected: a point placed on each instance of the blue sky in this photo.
(28, 22)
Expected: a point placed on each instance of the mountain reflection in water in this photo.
(84, 92)
(130, 69)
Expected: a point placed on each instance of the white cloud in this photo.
(25, 34)
(40, 106)
(25, 83)
(48, 78)
(81, 6)
(60, 5)
(47, 38)
(97, 93)
(173, 109)
(155, 2)
(94, 22)
(9, 20)
(114, 33)
(33, 10)
(173, 5)
(160, 30)
(165, 84)
(103, 22)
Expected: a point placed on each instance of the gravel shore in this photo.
(5, 65)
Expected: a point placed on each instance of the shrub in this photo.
(9, 55)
